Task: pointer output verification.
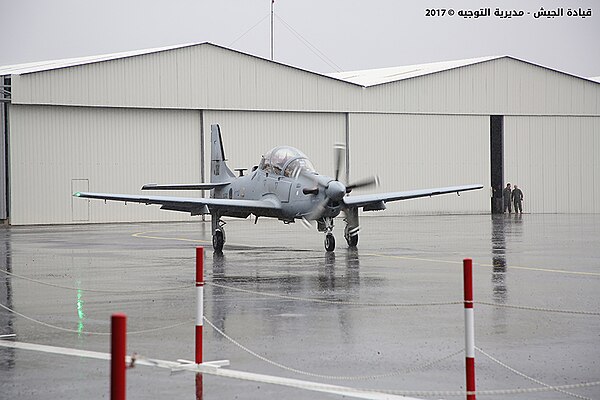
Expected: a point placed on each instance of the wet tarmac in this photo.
(385, 317)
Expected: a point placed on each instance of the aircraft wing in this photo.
(195, 206)
(184, 186)
(373, 201)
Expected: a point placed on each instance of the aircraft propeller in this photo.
(335, 190)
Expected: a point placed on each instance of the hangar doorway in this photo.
(497, 161)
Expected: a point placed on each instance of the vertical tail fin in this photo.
(219, 171)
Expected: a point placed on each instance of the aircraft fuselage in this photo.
(288, 192)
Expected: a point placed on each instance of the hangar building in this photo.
(113, 123)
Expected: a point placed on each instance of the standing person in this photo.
(507, 196)
(517, 198)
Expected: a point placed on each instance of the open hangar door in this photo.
(56, 150)
(418, 151)
(554, 159)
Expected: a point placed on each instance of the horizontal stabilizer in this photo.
(184, 186)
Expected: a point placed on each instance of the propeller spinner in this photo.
(335, 190)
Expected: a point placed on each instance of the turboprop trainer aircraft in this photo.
(284, 185)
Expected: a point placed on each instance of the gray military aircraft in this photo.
(284, 185)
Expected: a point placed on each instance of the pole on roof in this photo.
(272, 3)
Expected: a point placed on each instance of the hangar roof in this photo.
(39, 66)
(365, 78)
(372, 77)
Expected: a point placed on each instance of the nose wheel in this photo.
(329, 238)
(329, 242)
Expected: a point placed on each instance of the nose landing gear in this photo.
(329, 242)
(329, 238)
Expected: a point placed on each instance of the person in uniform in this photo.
(517, 198)
(507, 196)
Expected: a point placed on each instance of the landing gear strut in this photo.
(218, 236)
(352, 228)
(352, 240)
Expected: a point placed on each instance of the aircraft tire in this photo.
(352, 240)
(329, 242)
(218, 241)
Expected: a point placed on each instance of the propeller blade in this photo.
(339, 153)
(319, 209)
(371, 181)
(306, 223)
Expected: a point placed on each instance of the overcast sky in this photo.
(318, 35)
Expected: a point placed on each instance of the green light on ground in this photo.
(80, 313)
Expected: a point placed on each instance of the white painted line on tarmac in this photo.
(210, 369)
(537, 269)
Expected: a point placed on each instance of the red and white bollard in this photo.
(469, 327)
(199, 316)
(118, 346)
(199, 301)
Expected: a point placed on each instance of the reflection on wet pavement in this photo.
(293, 303)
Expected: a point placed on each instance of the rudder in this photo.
(219, 171)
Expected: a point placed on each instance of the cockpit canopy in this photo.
(285, 160)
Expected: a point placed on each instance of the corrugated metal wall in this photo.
(210, 77)
(423, 151)
(198, 77)
(555, 162)
(58, 150)
(503, 86)
(3, 156)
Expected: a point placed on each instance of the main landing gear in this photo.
(218, 236)
(350, 232)
(351, 239)
(352, 228)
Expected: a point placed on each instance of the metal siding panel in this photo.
(569, 149)
(594, 126)
(3, 157)
(590, 144)
(168, 87)
(118, 150)
(544, 145)
(555, 160)
(210, 77)
(503, 86)
(184, 72)
(423, 151)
